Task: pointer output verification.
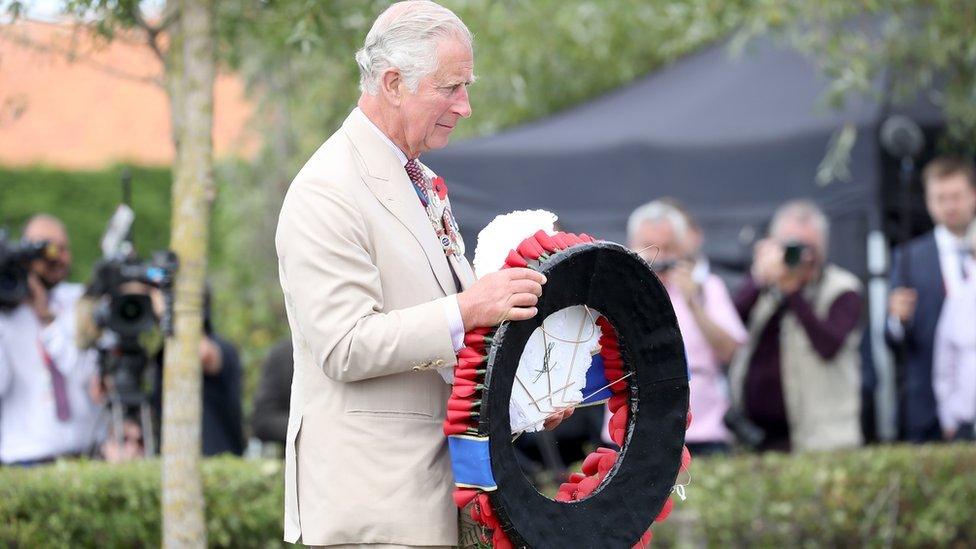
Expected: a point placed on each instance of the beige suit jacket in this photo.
(365, 279)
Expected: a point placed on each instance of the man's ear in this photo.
(390, 86)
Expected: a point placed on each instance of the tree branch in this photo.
(73, 56)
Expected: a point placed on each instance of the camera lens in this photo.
(8, 281)
(130, 310)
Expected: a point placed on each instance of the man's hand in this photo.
(682, 277)
(509, 294)
(767, 263)
(211, 358)
(555, 419)
(901, 303)
(38, 299)
(793, 279)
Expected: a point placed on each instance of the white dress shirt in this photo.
(29, 426)
(451, 307)
(950, 258)
(954, 357)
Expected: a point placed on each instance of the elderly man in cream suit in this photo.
(371, 265)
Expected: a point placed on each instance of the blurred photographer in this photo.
(222, 429)
(710, 327)
(46, 411)
(222, 420)
(798, 377)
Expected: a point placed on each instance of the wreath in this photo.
(640, 373)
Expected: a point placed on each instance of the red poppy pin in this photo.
(440, 187)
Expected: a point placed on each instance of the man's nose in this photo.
(462, 107)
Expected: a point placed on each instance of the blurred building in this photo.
(72, 101)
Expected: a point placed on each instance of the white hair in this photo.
(654, 212)
(405, 37)
(801, 211)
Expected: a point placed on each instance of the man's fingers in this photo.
(523, 300)
(525, 286)
(519, 273)
(521, 313)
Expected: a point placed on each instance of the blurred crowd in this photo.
(81, 370)
(777, 364)
(774, 364)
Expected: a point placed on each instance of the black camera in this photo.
(126, 313)
(129, 312)
(745, 431)
(15, 259)
(793, 252)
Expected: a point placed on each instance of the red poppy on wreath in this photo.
(440, 187)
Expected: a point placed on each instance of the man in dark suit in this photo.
(924, 271)
(269, 421)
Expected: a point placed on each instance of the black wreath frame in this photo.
(620, 285)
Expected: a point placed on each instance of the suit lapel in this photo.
(388, 181)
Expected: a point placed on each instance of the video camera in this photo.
(122, 284)
(128, 312)
(122, 287)
(15, 259)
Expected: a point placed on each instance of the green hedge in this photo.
(881, 496)
(93, 504)
(85, 200)
(901, 496)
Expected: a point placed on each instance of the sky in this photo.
(50, 10)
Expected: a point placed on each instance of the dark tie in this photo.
(416, 174)
(964, 254)
(62, 406)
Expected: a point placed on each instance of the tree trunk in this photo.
(191, 68)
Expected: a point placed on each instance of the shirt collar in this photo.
(946, 241)
(396, 150)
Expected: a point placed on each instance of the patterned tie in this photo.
(420, 184)
(61, 404)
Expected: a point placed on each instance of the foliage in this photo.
(912, 46)
(85, 201)
(93, 504)
(905, 496)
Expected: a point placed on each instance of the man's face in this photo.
(430, 114)
(694, 241)
(657, 242)
(790, 231)
(951, 201)
(51, 270)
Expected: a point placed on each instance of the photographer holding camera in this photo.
(711, 330)
(46, 411)
(798, 377)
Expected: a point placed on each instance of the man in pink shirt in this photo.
(710, 326)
